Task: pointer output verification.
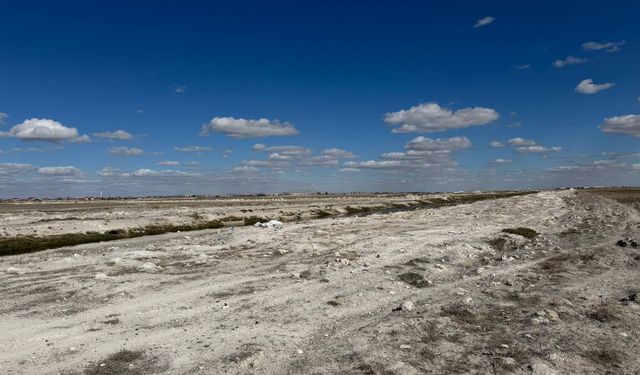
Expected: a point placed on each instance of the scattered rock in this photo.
(540, 368)
(101, 276)
(414, 279)
(202, 259)
(14, 271)
(628, 242)
(269, 224)
(148, 266)
(631, 298)
(552, 315)
(407, 305)
(401, 368)
(539, 317)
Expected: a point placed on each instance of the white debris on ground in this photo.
(269, 224)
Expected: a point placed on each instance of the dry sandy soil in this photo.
(56, 217)
(323, 296)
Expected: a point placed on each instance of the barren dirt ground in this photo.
(56, 217)
(323, 296)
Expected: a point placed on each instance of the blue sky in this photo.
(153, 98)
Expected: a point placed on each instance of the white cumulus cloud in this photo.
(198, 149)
(58, 171)
(7, 168)
(627, 124)
(537, 149)
(244, 128)
(607, 46)
(428, 144)
(36, 129)
(483, 21)
(168, 163)
(290, 150)
(119, 135)
(338, 153)
(517, 141)
(430, 117)
(588, 87)
(570, 60)
(126, 151)
(81, 139)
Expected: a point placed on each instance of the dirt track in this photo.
(319, 296)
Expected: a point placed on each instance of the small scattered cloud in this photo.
(126, 151)
(109, 172)
(142, 173)
(522, 67)
(197, 149)
(338, 153)
(47, 130)
(570, 60)
(348, 170)
(169, 163)
(502, 161)
(293, 158)
(139, 111)
(525, 146)
(58, 171)
(483, 22)
(119, 135)
(420, 153)
(588, 87)
(3, 117)
(607, 46)
(245, 169)
(245, 128)
(428, 144)
(179, 89)
(145, 172)
(81, 139)
(9, 168)
(289, 152)
(537, 149)
(627, 124)
(430, 117)
(517, 141)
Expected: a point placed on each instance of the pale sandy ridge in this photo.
(315, 297)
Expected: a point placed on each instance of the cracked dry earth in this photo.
(321, 297)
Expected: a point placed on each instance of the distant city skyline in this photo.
(145, 98)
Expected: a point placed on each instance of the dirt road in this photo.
(324, 296)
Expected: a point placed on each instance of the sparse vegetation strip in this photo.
(30, 244)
